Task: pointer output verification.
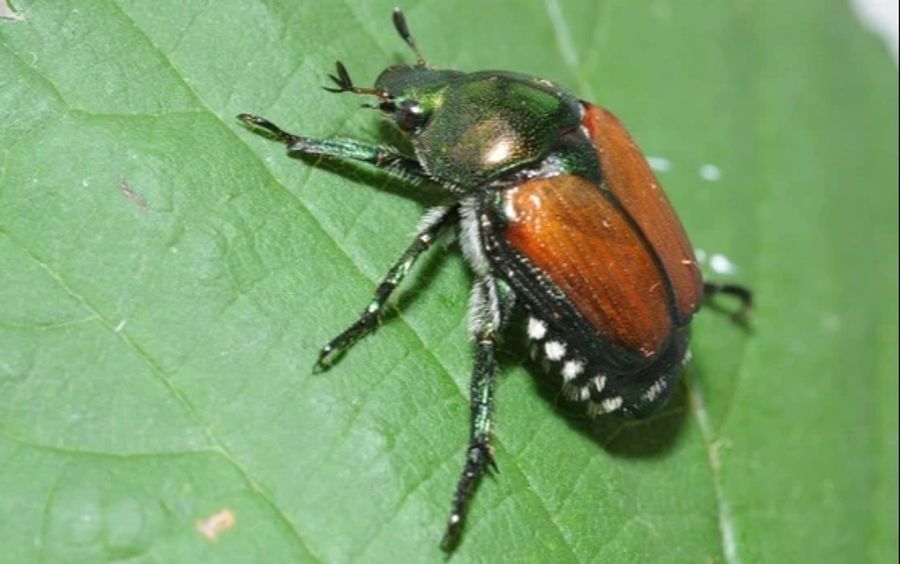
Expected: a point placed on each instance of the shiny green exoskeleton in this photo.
(470, 129)
(559, 215)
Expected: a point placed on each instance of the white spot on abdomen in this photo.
(555, 350)
(537, 329)
(571, 369)
(611, 404)
(653, 391)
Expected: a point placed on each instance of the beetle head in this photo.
(407, 94)
(412, 92)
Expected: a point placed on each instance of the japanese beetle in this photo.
(559, 214)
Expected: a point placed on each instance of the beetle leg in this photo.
(381, 156)
(433, 222)
(491, 302)
(742, 293)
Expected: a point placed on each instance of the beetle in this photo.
(559, 215)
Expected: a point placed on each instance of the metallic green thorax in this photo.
(476, 126)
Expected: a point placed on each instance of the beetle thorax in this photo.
(476, 127)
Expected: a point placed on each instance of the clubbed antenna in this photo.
(403, 30)
(345, 84)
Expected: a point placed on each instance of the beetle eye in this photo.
(408, 115)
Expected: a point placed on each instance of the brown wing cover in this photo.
(628, 176)
(584, 243)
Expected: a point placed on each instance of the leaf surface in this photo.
(167, 277)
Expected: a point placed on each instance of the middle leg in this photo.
(434, 221)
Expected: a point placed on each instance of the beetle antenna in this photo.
(345, 84)
(403, 30)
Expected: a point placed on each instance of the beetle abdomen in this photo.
(585, 378)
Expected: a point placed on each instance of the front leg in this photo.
(381, 156)
(491, 303)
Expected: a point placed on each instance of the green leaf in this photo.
(167, 277)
